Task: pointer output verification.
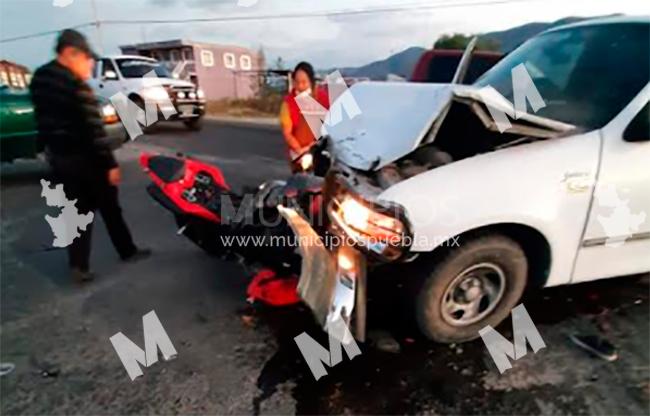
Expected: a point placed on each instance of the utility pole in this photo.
(98, 28)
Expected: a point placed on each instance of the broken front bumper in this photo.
(332, 280)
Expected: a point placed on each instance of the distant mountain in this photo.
(404, 62)
(511, 38)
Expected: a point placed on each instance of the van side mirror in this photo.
(639, 129)
(109, 75)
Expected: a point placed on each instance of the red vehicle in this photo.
(439, 65)
(244, 226)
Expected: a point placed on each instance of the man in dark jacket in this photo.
(70, 126)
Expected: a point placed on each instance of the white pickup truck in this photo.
(424, 177)
(124, 73)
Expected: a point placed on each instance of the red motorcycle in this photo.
(245, 226)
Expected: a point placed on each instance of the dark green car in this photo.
(18, 135)
(17, 125)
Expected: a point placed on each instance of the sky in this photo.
(326, 41)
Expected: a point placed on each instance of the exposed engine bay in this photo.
(466, 130)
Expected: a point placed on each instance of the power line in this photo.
(336, 13)
(49, 32)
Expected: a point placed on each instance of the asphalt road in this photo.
(234, 358)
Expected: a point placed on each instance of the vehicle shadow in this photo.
(163, 126)
(419, 375)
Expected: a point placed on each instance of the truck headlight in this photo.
(381, 230)
(109, 115)
(155, 94)
(200, 94)
(306, 161)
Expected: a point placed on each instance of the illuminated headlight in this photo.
(180, 95)
(345, 262)
(306, 161)
(108, 110)
(109, 115)
(200, 94)
(383, 233)
(363, 219)
(155, 94)
(192, 95)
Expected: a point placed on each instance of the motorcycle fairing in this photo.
(176, 177)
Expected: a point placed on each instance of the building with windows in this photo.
(14, 75)
(222, 71)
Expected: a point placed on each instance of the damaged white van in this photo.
(562, 196)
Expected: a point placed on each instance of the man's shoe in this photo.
(139, 254)
(81, 276)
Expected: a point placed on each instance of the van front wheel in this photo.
(475, 285)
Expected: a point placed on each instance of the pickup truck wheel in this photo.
(194, 124)
(473, 286)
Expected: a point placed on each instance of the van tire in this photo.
(453, 280)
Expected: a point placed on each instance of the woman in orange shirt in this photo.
(296, 130)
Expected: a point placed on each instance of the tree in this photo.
(460, 41)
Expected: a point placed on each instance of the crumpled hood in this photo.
(395, 118)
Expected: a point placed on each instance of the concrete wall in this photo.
(219, 81)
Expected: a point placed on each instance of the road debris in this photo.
(595, 345)
(384, 341)
(49, 372)
(272, 289)
(6, 368)
(248, 321)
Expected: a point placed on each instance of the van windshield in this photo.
(577, 71)
(137, 68)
